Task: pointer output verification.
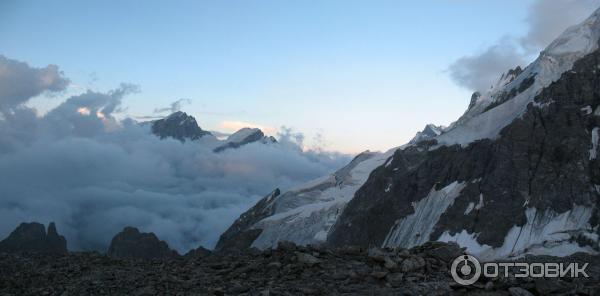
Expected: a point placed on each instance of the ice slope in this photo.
(416, 228)
(242, 134)
(305, 214)
(545, 233)
(559, 57)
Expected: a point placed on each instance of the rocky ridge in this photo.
(32, 237)
(131, 243)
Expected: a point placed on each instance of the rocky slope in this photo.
(287, 270)
(516, 174)
(32, 237)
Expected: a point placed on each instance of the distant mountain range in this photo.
(183, 127)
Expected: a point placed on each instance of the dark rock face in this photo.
(130, 243)
(542, 160)
(179, 126)
(32, 237)
(243, 137)
(474, 97)
(286, 270)
(240, 236)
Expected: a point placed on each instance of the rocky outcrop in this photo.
(198, 252)
(474, 97)
(32, 237)
(179, 126)
(286, 270)
(130, 243)
(243, 137)
(429, 132)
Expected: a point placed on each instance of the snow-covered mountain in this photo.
(517, 173)
(181, 126)
(245, 136)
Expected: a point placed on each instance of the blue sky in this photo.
(363, 74)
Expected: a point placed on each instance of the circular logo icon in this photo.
(465, 270)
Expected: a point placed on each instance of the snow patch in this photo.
(594, 149)
(415, 229)
(469, 208)
(242, 134)
(480, 203)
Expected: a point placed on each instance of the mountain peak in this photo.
(178, 125)
(429, 132)
(500, 105)
(245, 136)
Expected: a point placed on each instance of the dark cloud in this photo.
(546, 20)
(549, 18)
(19, 82)
(481, 71)
(93, 174)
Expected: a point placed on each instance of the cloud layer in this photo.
(546, 20)
(19, 82)
(93, 174)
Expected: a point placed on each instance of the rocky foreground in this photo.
(287, 270)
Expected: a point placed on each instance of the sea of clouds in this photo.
(93, 174)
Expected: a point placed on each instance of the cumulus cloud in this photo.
(173, 107)
(19, 82)
(479, 72)
(93, 174)
(235, 125)
(546, 19)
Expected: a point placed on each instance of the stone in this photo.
(307, 258)
(446, 253)
(286, 246)
(377, 254)
(412, 263)
(517, 291)
(390, 264)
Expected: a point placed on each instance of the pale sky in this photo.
(362, 74)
